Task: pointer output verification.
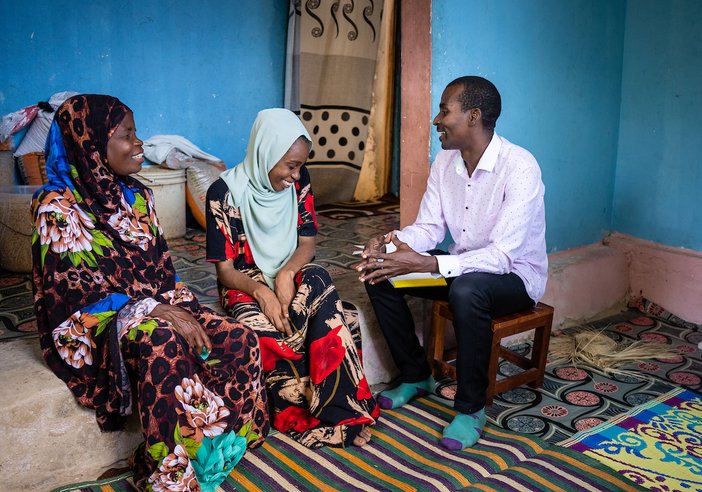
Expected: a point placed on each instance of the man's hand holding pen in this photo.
(376, 265)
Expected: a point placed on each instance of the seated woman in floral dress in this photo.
(115, 323)
(261, 229)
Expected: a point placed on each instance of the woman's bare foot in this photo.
(362, 438)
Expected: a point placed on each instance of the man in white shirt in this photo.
(488, 194)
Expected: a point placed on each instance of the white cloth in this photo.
(496, 217)
(35, 138)
(157, 148)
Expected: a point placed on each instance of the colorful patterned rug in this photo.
(389, 204)
(17, 318)
(336, 239)
(189, 261)
(573, 399)
(403, 456)
(657, 445)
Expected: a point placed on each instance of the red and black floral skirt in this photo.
(314, 377)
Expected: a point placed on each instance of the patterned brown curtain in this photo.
(374, 179)
(338, 48)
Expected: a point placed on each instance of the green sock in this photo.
(464, 431)
(397, 397)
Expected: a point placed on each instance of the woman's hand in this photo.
(184, 323)
(267, 300)
(272, 308)
(285, 290)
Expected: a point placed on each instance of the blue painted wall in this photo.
(659, 169)
(198, 69)
(203, 70)
(558, 66)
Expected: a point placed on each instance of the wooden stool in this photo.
(538, 318)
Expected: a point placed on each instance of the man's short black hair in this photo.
(482, 94)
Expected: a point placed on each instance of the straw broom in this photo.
(592, 347)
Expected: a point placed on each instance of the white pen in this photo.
(360, 249)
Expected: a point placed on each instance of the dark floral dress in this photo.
(314, 377)
(101, 266)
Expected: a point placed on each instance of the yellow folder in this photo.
(423, 279)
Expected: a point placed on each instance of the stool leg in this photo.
(539, 350)
(492, 369)
(435, 346)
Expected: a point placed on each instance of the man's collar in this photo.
(489, 158)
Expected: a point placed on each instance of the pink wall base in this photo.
(590, 281)
(670, 277)
(586, 282)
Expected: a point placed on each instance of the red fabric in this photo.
(308, 205)
(326, 354)
(236, 296)
(228, 249)
(357, 421)
(363, 392)
(248, 255)
(272, 352)
(295, 418)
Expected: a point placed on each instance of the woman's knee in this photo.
(312, 272)
(160, 340)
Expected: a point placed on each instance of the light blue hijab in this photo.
(269, 217)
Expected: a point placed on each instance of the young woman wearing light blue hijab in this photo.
(261, 228)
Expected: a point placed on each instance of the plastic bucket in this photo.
(168, 186)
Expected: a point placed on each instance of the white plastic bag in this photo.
(158, 147)
(35, 139)
(14, 122)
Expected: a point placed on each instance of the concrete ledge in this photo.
(50, 440)
(585, 282)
